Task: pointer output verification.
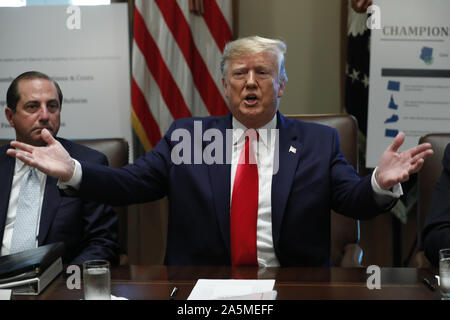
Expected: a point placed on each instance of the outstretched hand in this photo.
(52, 159)
(395, 167)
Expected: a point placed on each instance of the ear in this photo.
(9, 115)
(225, 88)
(281, 89)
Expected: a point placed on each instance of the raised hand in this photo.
(395, 167)
(52, 159)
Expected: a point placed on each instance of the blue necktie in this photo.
(24, 234)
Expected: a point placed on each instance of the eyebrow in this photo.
(242, 66)
(36, 101)
(257, 66)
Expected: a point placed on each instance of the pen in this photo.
(173, 293)
(427, 283)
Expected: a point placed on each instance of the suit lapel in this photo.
(7, 164)
(50, 205)
(50, 202)
(220, 175)
(289, 150)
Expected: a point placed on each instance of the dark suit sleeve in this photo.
(436, 233)
(351, 195)
(100, 239)
(145, 180)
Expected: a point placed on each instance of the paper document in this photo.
(5, 294)
(213, 289)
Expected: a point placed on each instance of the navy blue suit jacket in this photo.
(436, 232)
(87, 228)
(309, 182)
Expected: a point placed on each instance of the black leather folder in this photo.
(29, 263)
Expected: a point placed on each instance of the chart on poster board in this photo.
(89, 60)
(409, 87)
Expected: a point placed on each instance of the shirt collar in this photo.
(237, 134)
(20, 165)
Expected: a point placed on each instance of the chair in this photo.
(116, 150)
(427, 178)
(345, 235)
(345, 249)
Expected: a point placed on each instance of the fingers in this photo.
(422, 155)
(22, 146)
(17, 153)
(28, 158)
(416, 166)
(398, 141)
(47, 137)
(420, 149)
(416, 162)
(24, 156)
(12, 152)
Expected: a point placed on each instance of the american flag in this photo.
(177, 47)
(358, 58)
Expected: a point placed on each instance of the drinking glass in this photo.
(97, 280)
(444, 273)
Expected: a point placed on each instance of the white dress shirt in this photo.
(264, 148)
(264, 153)
(20, 170)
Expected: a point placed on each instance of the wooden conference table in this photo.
(157, 282)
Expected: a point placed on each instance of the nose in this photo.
(44, 114)
(251, 79)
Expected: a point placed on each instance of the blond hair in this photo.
(255, 44)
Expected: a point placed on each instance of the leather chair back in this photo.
(116, 150)
(427, 178)
(4, 141)
(345, 235)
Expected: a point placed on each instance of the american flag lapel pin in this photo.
(292, 149)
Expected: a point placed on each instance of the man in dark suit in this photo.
(272, 210)
(87, 228)
(436, 232)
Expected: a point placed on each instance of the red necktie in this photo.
(244, 206)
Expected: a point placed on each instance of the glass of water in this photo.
(444, 273)
(97, 280)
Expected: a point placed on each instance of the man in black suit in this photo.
(436, 232)
(88, 228)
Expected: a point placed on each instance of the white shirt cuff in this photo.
(395, 192)
(75, 181)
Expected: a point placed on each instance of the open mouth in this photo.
(251, 99)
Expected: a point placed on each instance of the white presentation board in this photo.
(88, 57)
(409, 74)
